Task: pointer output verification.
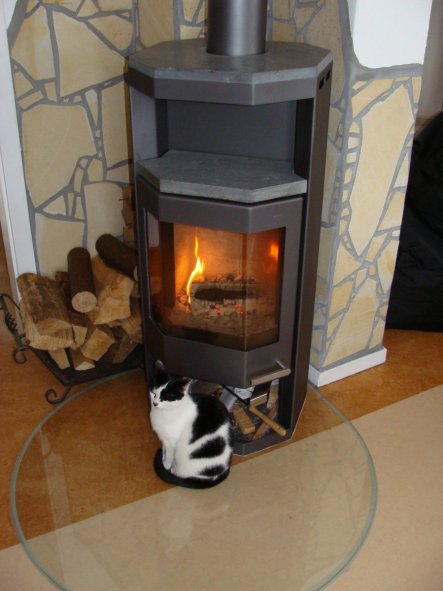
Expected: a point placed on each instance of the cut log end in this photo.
(84, 301)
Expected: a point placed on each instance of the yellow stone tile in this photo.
(54, 137)
(281, 9)
(335, 116)
(332, 159)
(30, 99)
(119, 175)
(92, 100)
(385, 128)
(403, 173)
(95, 170)
(84, 59)
(348, 175)
(340, 297)
(88, 8)
(189, 32)
(155, 22)
(303, 15)
(116, 4)
(103, 211)
(117, 30)
(115, 131)
(386, 265)
(57, 207)
(32, 47)
(416, 87)
(377, 335)
(375, 247)
(351, 157)
(282, 31)
(190, 8)
(332, 325)
(354, 128)
(317, 339)
(325, 251)
(353, 142)
(54, 239)
(345, 264)
(321, 291)
(394, 212)
(355, 330)
(370, 93)
(21, 84)
(51, 91)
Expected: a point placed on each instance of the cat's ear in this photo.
(159, 365)
(184, 384)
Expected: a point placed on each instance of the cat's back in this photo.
(211, 415)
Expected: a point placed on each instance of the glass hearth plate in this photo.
(91, 515)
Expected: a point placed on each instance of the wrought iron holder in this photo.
(11, 324)
(68, 377)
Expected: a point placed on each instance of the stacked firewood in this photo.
(88, 313)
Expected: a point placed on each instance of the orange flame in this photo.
(198, 270)
(273, 251)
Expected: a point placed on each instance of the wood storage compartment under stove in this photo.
(229, 157)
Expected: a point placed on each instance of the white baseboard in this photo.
(321, 378)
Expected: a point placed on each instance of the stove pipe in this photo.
(237, 27)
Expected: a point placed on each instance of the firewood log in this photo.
(47, 342)
(133, 324)
(44, 303)
(81, 281)
(80, 362)
(122, 347)
(117, 254)
(62, 278)
(113, 293)
(60, 357)
(97, 342)
(80, 325)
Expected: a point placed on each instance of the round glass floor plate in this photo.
(91, 515)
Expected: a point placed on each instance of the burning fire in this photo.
(198, 270)
(273, 251)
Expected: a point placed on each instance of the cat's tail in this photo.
(170, 478)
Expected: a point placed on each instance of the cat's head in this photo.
(167, 389)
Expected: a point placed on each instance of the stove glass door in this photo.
(215, 286)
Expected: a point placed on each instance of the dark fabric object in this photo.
(416, 300)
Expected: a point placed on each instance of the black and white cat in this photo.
(194, 429)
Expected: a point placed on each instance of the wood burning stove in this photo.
(229, 155)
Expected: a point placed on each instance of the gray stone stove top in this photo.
(218, 176)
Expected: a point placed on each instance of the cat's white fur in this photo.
(172, 421)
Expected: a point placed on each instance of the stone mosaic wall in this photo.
(371, 125)
(68, 62)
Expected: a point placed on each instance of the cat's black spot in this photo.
(175, 390)
(213, 471)
(210, 449)
(211, 415)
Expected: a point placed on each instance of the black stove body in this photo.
(229, 158)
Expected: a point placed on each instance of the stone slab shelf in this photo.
(219, 176)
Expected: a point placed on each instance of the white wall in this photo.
(14, 216)
(389, 32)
(431, 98)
